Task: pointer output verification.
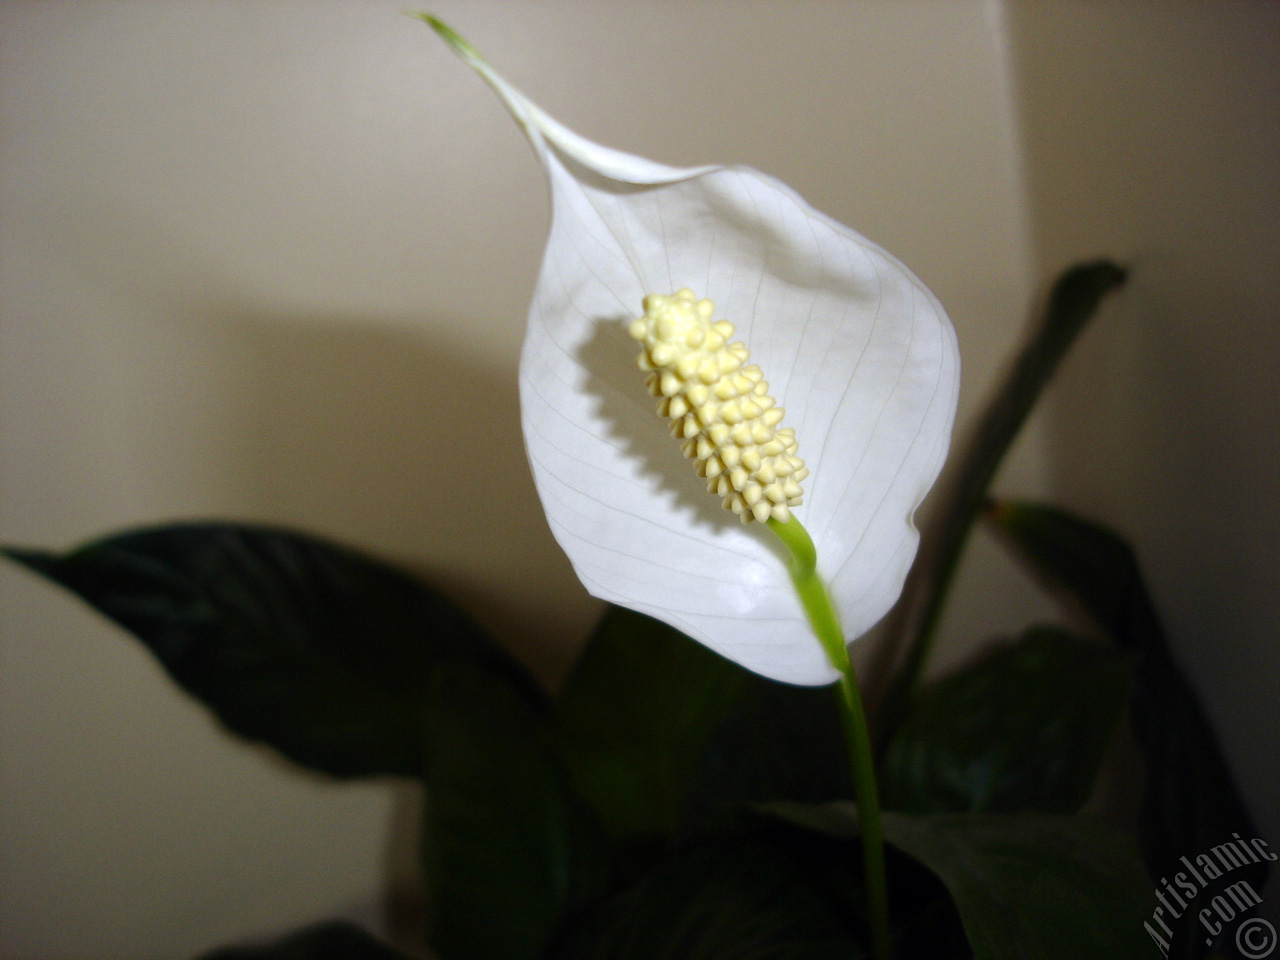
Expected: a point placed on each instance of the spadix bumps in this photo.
(720, 406)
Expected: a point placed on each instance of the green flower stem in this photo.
(822, 617)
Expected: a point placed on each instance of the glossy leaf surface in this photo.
(314, 649)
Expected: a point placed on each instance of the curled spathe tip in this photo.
(459, 43)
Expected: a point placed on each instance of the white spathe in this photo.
(856, 349)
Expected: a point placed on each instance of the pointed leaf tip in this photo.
(324, 653)
(39, 561)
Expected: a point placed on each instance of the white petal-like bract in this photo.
(854, 347)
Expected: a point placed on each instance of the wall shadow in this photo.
(371, 433)
(377, 434)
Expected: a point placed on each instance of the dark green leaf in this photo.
(1190, 800)
(327, 941)
(1072, 303)
(1035, 887)
(1027, 886)
(658, 732)
(312, 648)
(1026, 727)
(779, 743)
(508, 848)
(634, 717)
(1087, 566)
(923, 921)
(753, 896)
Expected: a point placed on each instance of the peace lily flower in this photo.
(854, 347)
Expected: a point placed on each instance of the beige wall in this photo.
(1152, 131)
(271, 260)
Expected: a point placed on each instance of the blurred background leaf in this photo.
(780, 742)
(312, 648)
(1033, 886)
(758, 894)
(351, 667)
(325, 941)
(1025, 727)
(1026, 886)
(507, 846)
(1072, 303)
(1190, 801)
(658, 731)
(633, 718)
